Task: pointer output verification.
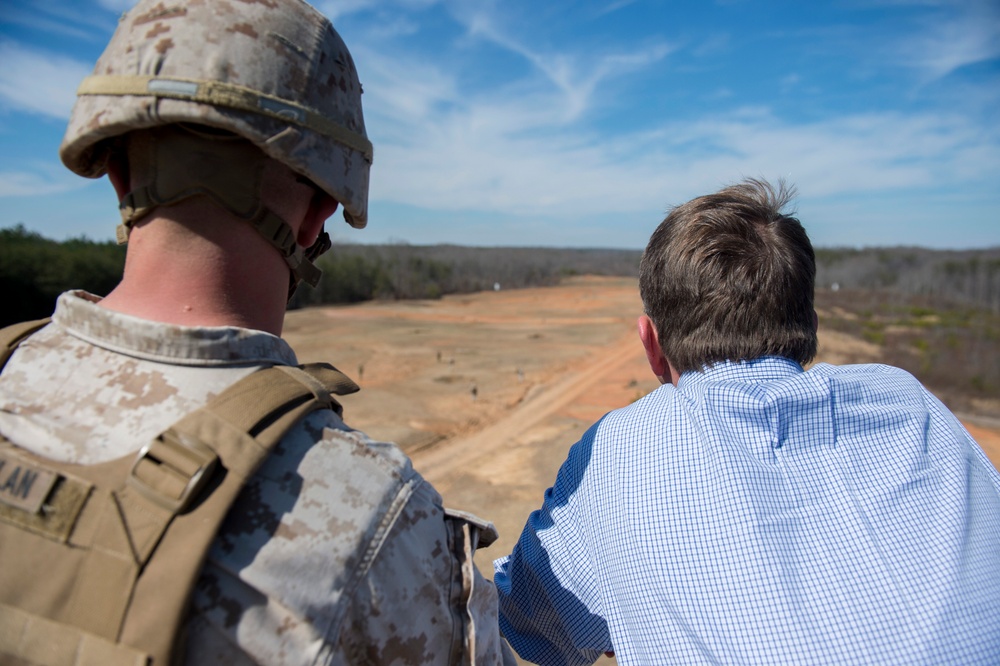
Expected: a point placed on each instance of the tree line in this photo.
(34, 270)
(353, 273)
(970, 277)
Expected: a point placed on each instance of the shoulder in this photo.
(643, 407)
(643, 417)
(874, 384)
(422, 600)
(323, 447)
(305, 535)
(336, 479)
(861, 371)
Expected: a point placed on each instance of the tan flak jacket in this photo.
(333, 550)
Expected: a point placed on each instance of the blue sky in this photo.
(579, 123)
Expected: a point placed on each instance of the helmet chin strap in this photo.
(227, 169)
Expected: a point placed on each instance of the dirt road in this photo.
(479, 449)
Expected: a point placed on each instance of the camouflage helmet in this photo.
(275, 73)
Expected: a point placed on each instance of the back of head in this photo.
(729, 277)
(274, 73)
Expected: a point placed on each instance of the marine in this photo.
(202, 498)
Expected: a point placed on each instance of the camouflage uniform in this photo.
(336, 552)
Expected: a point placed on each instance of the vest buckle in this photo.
(172, 469)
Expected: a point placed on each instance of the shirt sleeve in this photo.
(423, 601)
(550, 600)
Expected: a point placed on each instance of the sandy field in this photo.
(486, 392)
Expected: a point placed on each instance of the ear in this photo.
(654, 353)
(321, 207)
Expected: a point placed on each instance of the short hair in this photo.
(730, 277)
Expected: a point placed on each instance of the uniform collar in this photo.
(79, 315)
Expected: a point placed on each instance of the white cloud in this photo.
(396, 26)
(576, 77)
(615, 6)
(848, 155)
(967, 34)
(524, 143)
(84, 21)
(496, 157)
(38, 81)
(334, 9)
(402, 90)
(49, 26)
(526, 148)
(713, 45)
(790, 81)
(117, 5)
(47, 179)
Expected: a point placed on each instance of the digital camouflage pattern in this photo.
(336, 552)
(282, 50)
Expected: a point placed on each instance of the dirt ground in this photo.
(486, 392)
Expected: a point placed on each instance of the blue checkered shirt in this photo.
(762, 514)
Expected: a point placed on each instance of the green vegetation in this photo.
(954, 349)
(874, 333)
(35, 270)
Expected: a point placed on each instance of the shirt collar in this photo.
(760, 370)
(78, 313)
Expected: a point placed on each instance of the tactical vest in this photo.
(98, 562)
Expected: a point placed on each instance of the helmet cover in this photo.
(273, 71)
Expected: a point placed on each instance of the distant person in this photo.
(231, 132)
(749, 511)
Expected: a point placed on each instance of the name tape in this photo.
(24, 485)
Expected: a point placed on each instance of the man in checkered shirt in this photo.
(749, 511)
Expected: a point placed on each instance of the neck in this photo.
(190, 265)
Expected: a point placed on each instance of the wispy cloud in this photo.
(847, 155)
(63, 17)
(45, 179)
(528, 149)
(47, 25)
(404, 92)
(715, 44)
(960, 34)
(334, 9)
(576, 76)
(615, 6)
(482, 111)
(117, 5)
(39, 81)
(482, 157)
(560, 69)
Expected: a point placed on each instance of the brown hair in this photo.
(728, 276)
